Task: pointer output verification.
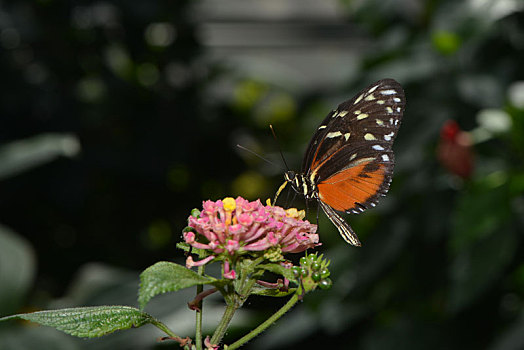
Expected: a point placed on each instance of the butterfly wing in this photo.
(350, 157)
(343, 227)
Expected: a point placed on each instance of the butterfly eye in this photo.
(290, 175)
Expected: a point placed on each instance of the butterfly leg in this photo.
(280, 189)
(317, 214)
(307, 208)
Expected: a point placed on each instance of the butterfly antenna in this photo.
(257, 155)
(278, 146)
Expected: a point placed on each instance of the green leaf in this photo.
(270, 292)
(22, 155)
(279, 270)
(164, 277)
(184, 246)
(89, 322)
(17, 270)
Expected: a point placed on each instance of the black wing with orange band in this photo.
(350, 157)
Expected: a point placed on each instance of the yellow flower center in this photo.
(294, 213)
(229, 204)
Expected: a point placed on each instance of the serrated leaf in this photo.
(164, 277)
(279, 270)
(89, 322)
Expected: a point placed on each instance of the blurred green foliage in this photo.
(129, 124)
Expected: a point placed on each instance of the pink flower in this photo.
(232, 227)
(228, 272)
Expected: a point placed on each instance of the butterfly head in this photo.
(300, 184)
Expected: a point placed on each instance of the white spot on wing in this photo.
(385, 158)
(379, 121)
(373, 88)
(381, 102)
(388, 92)
(347, 135)
(358, 99)
(389, 110)
(357, 112)
(378, 147)
(396, 99)
(321, 127)
(362, 116)
(388, 137)
(369, 98)
(353, 156)
(398, 109)
(369, 137)
(342, 114)
(333, 134)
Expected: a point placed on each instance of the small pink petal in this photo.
(209, 346)
(189, 237)
(231, 275)
(257, 246)
(236, 229)
(267, 284)
(261, 215)
(256, 234)
(209, 206)
(232, 246)
(245, 219)
(272, 240)
(191, 263)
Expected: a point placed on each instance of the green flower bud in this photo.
(303, 261)
(296, 271)
(324, 273)
(316, 276)
(325, 283)
(312, 258)
(304, 272)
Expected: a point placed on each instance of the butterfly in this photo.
(349, 162)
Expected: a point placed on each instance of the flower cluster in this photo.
(232, 227)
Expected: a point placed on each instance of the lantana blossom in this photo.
(232, 227)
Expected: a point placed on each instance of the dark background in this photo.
(118, 117)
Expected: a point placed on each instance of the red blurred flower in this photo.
(454, 150)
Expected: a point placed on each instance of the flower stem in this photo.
(235, 301)
(224, 322)
(263, 326)
(164, 328)
(198, 326)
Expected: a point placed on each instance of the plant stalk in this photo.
(224, 322)
(263, 326)
(198, 326)
(164, 328)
